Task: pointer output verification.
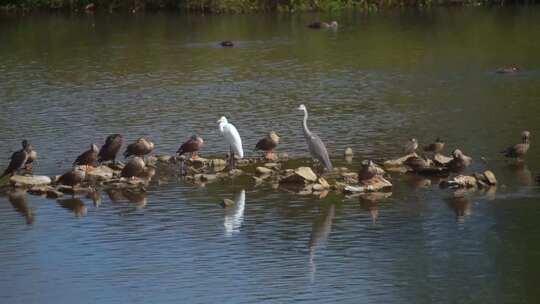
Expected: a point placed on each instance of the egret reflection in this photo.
(235, 215)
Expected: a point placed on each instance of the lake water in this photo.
(69, 80)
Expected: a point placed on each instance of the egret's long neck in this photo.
(221, 126)
(306, 130)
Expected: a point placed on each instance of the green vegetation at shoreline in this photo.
(234, 6)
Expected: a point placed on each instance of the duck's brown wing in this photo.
(87, 158)
(265, 144)
(189, 146)
(18, 159)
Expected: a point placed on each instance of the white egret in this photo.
(316, 146)
(232, 137)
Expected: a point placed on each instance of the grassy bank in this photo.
(238, 6)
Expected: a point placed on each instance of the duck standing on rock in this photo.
(134, 168)
(72, 178)
(88, 158)
(232, 137)
(316, 146)
(193, 145)
(18, 159)
(110, 149)
(268, 144)
(368, 170)
(140, 148)
(435, 147)
(459, 161)
(411, 146)
(518, 151)
(320, 25)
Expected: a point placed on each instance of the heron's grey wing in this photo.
(318, 151)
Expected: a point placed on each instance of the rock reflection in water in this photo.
(137, 198)
(19, 201)
(75, 205)
(234, 217)
(460, 202)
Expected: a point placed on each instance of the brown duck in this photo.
(18, 159)
(72, 178)
(416, 163)
(435, 147)
(87, 158)
(368, 170)
(518, 151)
(459, 161)
(110, 149)
(140, 148)
(134, 168)
(193, 145)
(268, 144)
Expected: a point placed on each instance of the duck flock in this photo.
(136, 153)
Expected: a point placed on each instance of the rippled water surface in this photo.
(69, 80)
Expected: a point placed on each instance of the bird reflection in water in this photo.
(522, 172)
(137, 198)
(461, 204)
(19, 201)
(75, 205)
(370, 202)
(234, 217)
(322, 226)
(95, 195)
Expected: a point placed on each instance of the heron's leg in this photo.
(231, 158)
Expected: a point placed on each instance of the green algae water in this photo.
(69, 80)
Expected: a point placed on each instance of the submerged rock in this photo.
(399, 162)
(263, 171)
(29, 180)
(490, 176)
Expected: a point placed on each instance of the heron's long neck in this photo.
(306, 130)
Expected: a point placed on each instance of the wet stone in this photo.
(30, 180)
(227, 203)
(273, 166)
(263, 170)
(490, 176)
(322, 181)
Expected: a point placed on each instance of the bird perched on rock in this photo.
(18, 159)
(110, 149)
(134, 168)
(320, 25)
(193, 145)
(368, 170)
(72, 178)
(268, 144)
(435, 147)
(87, 158)
(315, 144)
(232, 137)
(459, 161)
(410, 146)
(518, 151)
(140, 148)
(416, 163)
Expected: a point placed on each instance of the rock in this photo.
(340, 186)
(273, 166)
(208, 177)
(199, 161)
(164, 158)
(235, 172)
(39, 190)
(350, 177)
(218, 163)
(323, 194)
(227, 203)
(441, 160)
(398, 162)
(317, 187)
(460, 181)
(116, 166)
(490, 177)
(263, 170)
(30, 180)
(376, 183)
(349, 152)
(53, 194)
(324, 183)
(100, 173)
(302, 175)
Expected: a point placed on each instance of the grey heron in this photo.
(315, 144)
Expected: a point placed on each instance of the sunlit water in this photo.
(68, 81)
